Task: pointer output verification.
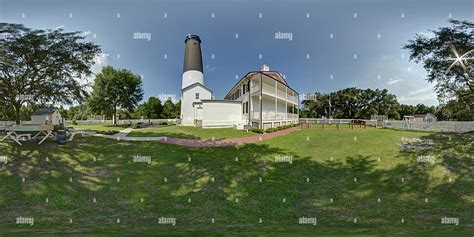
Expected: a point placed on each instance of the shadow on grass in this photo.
(236, 186)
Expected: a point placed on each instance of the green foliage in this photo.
(152, 109)
(43, 65)
(454, 81)
(114, 89)
(270, 130)
(107, 132)
(137, 126)
(257, 130)
(171, 110)
(352, 103)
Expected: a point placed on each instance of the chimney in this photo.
(192, 68)
(265, 68)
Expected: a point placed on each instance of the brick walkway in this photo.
(202, 143)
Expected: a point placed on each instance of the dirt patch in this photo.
(416, 144)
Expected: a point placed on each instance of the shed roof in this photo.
(44, 111)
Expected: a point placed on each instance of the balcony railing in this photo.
(270, 115)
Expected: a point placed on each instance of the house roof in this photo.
(419, 115)
(271, 74)
(44, 111)
(194, 85)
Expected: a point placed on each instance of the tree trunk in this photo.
(17, 113)
(114, 116)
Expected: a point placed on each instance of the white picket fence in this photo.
(85, 122)
(122, 121)
(335, 121)
(441, 126)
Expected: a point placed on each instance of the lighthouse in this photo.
(192, 67)
(193, 89)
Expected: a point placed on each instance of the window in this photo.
(197, 96)
(245, 108)
(245, 87)
(248, 86)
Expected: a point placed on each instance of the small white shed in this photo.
(47, 116)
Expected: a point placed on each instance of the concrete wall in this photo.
(221, 114)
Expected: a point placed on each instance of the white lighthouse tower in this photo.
(192, 88)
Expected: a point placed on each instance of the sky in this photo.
(325, 45)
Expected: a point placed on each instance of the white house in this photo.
(427, 118)
(47, 116)
(261, 99)
(267, 99)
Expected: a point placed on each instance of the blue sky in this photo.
(335, 43)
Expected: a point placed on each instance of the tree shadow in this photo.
(235, 186)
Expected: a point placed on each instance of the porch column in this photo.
(286, 102)
(261, 89)
(276, 99)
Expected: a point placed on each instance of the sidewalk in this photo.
(122, 135)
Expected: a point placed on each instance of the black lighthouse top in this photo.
(192, 54)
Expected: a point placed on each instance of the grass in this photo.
(190, 133)
(238, 186)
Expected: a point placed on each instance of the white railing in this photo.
(219, 123)
(335, 121)
(270, 115)
(441, 126)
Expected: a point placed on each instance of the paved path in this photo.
(122, 135)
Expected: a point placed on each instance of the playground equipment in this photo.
(24, 129)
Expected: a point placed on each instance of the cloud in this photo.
(392, 81)
(421, 91)
(86, 33)
(423, 98)
(100, 61)
(423, 95)
(209, 68)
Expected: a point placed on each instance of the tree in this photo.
(42, 65)
(447, 57)
(115, 89)
(353, 103)
(152, 109)
(169, 110)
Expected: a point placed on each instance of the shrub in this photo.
(270, 130)
(58, 127)
(107, 132)
(74, 122)
(164, 123)
(257, 130)
(136, 126)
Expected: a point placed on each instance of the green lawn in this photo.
(98, 127)
(190, 132)
(242, 188)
